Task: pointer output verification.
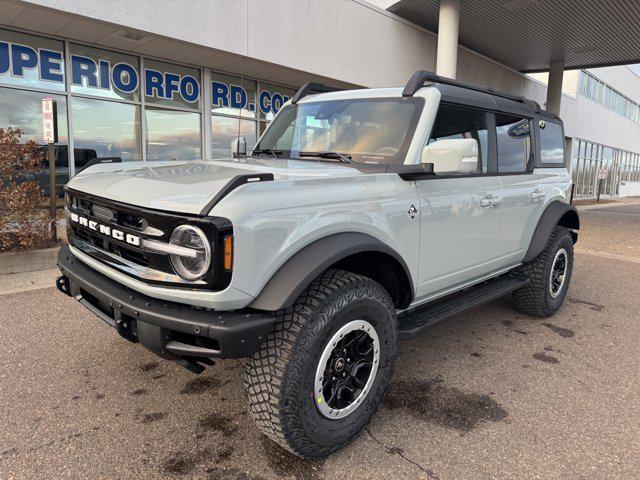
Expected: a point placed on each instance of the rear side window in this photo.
(514, 143)
(455, 122)
(551, 142)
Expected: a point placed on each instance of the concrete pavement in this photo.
(487, 394)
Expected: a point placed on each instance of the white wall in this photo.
(349, 40)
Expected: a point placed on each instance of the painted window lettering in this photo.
(16, 58)
(234, 96)
(100, 73)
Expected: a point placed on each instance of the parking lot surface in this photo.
(488, 394)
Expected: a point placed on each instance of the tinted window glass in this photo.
(551, 143)
(225, 129)
(172, 135)
(462, 122)
(105, 129)
(22, 109)
(514, 143)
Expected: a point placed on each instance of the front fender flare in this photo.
(284, 287)
(556, 213)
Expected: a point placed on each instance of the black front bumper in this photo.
(172, 330)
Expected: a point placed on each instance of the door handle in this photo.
(537, 195)
(490, 201)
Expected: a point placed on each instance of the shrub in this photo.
(24, 224)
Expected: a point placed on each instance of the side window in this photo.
(551, 142)
(457, 122)
(514, 143)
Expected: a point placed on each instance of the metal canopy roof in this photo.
(528, 35)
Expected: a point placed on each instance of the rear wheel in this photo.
(550, 274)
(320, 376)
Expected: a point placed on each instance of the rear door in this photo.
(460, 214)
(522, 193)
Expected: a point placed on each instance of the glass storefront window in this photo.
(173, 135)
(30, 61)
(104, 74)
(271, 98)
(233, 96)
(171, 85)
(103, 128)
(23, 109)
(225, 129)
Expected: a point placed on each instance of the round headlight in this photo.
(195, 265)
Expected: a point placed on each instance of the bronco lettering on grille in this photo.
(105, 229)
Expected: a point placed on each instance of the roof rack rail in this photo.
(418, 79)
(312, 87)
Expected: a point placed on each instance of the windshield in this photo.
(366, 130)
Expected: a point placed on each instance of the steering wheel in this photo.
(387, 151)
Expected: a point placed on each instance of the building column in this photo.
(554, 87)
(448, 24)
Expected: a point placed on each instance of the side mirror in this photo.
(239, 147)
(452, 156)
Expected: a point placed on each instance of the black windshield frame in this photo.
(286, 115)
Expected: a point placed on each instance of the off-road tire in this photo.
(535, 298)
(279, 378)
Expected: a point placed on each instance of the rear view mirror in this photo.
(239, 147)
(452, 156)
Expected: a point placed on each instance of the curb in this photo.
(30, 261)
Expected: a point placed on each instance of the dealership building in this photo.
(179, 80)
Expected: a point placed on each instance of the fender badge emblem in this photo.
(412, 211)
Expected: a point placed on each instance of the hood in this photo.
(187, 187)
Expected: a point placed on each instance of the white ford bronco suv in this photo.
(360, 217)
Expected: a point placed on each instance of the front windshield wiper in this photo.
(343, 157)
(269, 151)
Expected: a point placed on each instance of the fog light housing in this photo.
(194, 266)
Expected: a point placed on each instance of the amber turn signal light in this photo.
(228, 252)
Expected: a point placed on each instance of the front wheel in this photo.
(550, 274)
(320, 376)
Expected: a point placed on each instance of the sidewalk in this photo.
(610, 203)
(22, 282)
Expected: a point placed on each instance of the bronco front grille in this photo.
(143, 224)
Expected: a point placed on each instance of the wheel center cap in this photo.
(339, 365)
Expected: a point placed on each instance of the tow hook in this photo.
(62, 284)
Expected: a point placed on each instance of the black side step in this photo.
(414, 322)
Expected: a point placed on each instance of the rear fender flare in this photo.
(556, 213)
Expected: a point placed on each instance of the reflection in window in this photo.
(22, 109)
(104, 129)
(551, 143)
(173, 135)
(225, 129)
(514, 143)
